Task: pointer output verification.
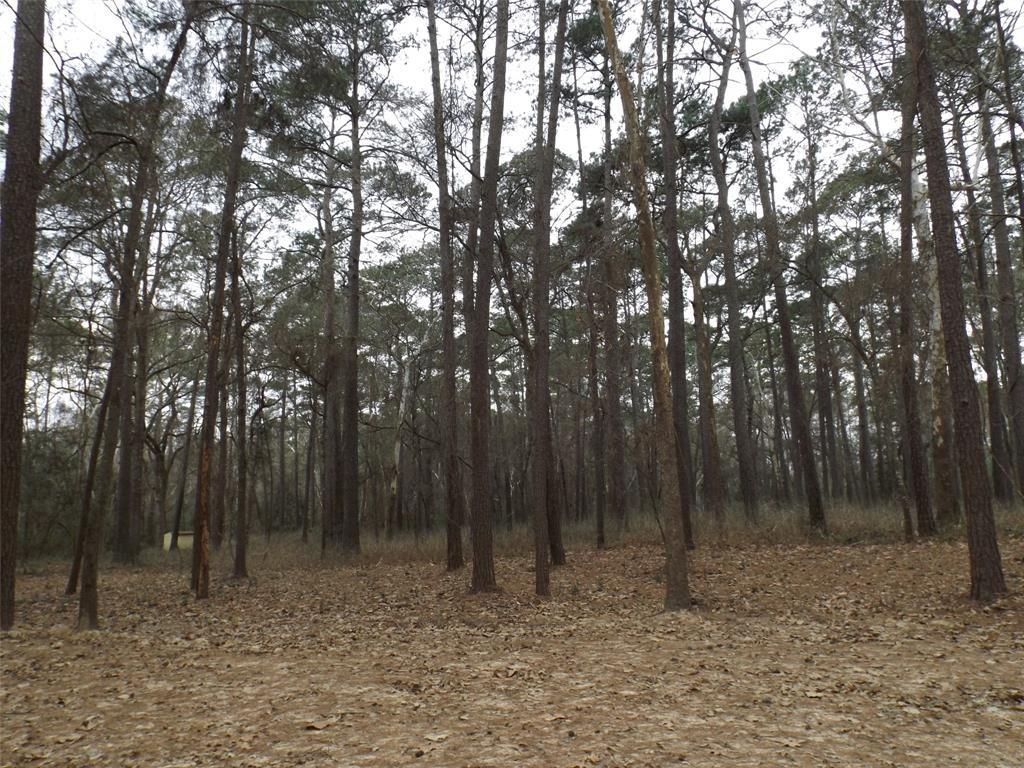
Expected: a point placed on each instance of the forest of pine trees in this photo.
(613, 261)
(255, 281)
(596, 309)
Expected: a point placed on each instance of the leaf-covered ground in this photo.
(799, 655)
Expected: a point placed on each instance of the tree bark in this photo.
(350, 349)
(1002, 475)
(449, 414)
(240, 567)
(540, 419)
(615, 459)
(677, 588)
(711, 460)
(790, 356)
(1006, 303)
(727, 242)
(481, 521)
(670, 226)
(331, 437)
(211, 389)
(985, 562)
(917, 461)
(22, 184)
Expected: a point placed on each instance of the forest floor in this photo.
(816, 654)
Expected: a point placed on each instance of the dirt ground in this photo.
(806, 655)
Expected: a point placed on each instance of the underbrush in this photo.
(776, 526)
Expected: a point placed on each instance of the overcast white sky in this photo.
(86, 28)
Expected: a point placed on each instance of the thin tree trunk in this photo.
(331, 437)
(449, 414)
(1006, 304)
(916, 458)
(615, 459)
(714, 488)
(481, 521)
(790, 355)
(665, 49)
(87, 490)
(727, 241)
(179, 503)
(540, 420)
(240, 568)
(350, 349)
(822, 348)
(777, 417)
(211, 389)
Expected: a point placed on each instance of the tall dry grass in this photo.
(776, 525)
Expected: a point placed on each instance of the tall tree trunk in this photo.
(778, 433)
(282, 479)
(790, 356)
(677, 587)
(220, 481)
(1010, 104)
(540, 419)
(132, 425)
(240, 567)
(867, 471)
(666, 52)
(615, 467)
(1002, 476)
(986, 565)
(481, 520)
(822, 348)
(117, 382)
(1006, 303)
(87, 489)
(350, 349)
(211, 389)
(449, 412)
(711, 460)
(186, 453)
(917, 461)
(727, 241)
(471, 254)
(331, 377)
(22, 184)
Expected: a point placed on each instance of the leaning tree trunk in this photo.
(677, 587)
(22, 184)
(985, 562)
(790, 356)
(117, 379)
(727, 239)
